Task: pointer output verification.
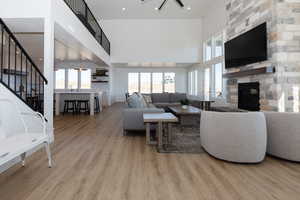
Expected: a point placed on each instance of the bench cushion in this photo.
(16, 145)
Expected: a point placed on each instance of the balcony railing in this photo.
(18, 72)
(84, 14)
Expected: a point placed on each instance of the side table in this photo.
(159, 118)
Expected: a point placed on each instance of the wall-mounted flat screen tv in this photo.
(248, 48)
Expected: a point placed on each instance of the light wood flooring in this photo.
(93, 161)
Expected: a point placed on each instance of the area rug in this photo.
(184, 140)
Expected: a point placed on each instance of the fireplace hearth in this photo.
(248, 96)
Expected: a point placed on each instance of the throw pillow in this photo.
(148, 99)
(143, 103)
(132, 101)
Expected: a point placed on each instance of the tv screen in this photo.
(248, 48)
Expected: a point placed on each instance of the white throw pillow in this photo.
(143, 103)
(147, 99)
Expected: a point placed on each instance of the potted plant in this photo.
(185, 103)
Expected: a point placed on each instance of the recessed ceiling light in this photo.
(123, 9)
(189, 8)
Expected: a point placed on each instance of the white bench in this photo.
(16, 138)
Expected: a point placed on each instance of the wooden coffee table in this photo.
(159, 118)
(187, 117)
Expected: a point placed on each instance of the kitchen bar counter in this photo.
(89, 93)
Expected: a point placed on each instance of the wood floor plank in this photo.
(93, 161)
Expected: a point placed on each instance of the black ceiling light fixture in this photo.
(179, 2)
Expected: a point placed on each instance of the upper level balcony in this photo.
(84, 14)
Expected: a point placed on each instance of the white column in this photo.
(49, 66)
(57, 104)
(92, 103)
(110, 94)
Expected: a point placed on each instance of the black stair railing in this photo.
(18, 72)
(84, 14)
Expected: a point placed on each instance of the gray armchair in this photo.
(283, 135)
(234, 137)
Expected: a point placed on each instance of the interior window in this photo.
(208, 50)
(207, 82)
(72, 79)
(169, 82)
(133, 82)
(85, 79)
(196, 82)
(218, 46)
(157, 82)
(60, 79)
(146, 83)
(191, 83)
(218, 79)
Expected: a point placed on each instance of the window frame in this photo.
(68, 74)
(212, 62)
(213, 40)
(65, 81)
(80, 79)
(66, 88)
(207, 89)
(162, 81)
(193, 86)
(138, 82)
(205, 52)
(217, 93)
(151, 81)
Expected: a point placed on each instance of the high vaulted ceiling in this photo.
(136, 9)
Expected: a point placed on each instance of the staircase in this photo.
(18, 73)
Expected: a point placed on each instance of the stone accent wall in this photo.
(279, 91)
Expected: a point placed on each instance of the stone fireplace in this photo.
(248, 96)
(279, 91)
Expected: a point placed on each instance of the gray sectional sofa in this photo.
(138, 104)
(164, 100)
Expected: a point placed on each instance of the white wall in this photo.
(22, 9)
(120, 76)
(154, 40)
(215, 21)
(212, 24)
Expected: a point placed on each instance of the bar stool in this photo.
(54, 106)
(97, 104)
(70, 105)
(83, 105)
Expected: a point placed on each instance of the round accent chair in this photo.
(283, 135)
(234, 137)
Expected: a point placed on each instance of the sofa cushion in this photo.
(160, 97)
(177, 97)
